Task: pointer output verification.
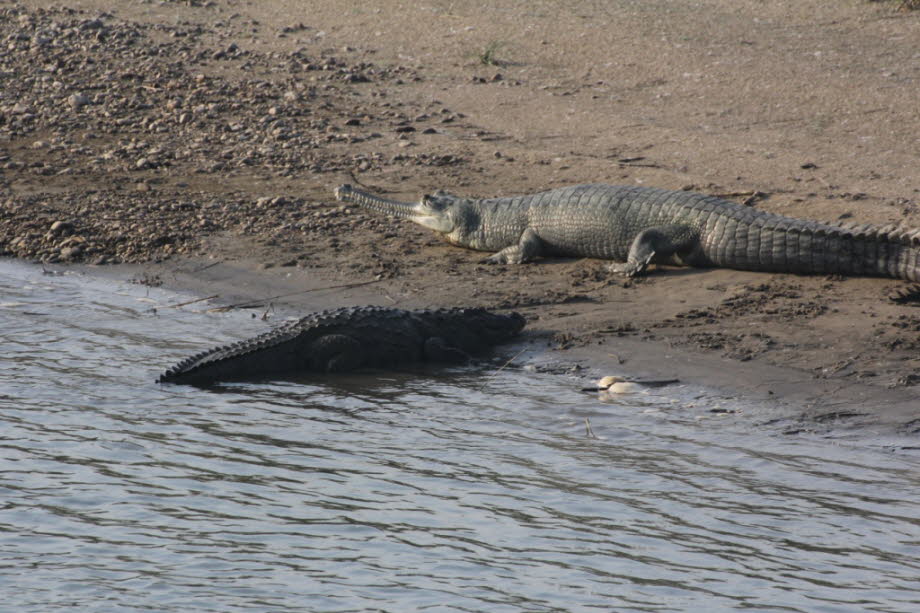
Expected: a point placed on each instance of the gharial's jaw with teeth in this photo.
(431, 212)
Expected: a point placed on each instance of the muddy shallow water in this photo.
(467, 489)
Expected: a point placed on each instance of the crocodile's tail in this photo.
(264, 353)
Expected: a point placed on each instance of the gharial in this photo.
(348, 338)
(642, 225)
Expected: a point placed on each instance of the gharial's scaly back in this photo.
(641, 225)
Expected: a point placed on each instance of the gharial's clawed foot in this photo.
(633, 267)
(625, 269)
(495, 258)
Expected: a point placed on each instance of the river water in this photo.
(460, 490)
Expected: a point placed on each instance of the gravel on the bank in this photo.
(103, 121)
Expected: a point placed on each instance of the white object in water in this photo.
(618, 385)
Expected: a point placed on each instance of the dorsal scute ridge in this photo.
(373, 336)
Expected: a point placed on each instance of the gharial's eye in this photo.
(433, 201)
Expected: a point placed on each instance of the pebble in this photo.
(70, 252)
(156, 102)
(60, 227)
(92, 24)
(78, 100)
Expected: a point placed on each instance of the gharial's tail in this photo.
(862, 251)
(783, 244)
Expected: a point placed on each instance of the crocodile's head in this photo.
(475, 329)
(439, 211)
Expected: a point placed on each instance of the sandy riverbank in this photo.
(170, 136)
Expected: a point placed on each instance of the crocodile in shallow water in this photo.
(643, 225)
(352, 337)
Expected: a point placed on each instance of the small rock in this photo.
(78, 100)
(61, 227)
(92, 24)
(70, 252)
(141, 163)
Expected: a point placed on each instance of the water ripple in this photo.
(447, 491)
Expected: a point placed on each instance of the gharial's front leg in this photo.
(659, 243)
(528, 247)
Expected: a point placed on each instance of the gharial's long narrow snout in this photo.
(347, 193)
(420, 213)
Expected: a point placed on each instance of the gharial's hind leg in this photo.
(527, 248)
(658, 243)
